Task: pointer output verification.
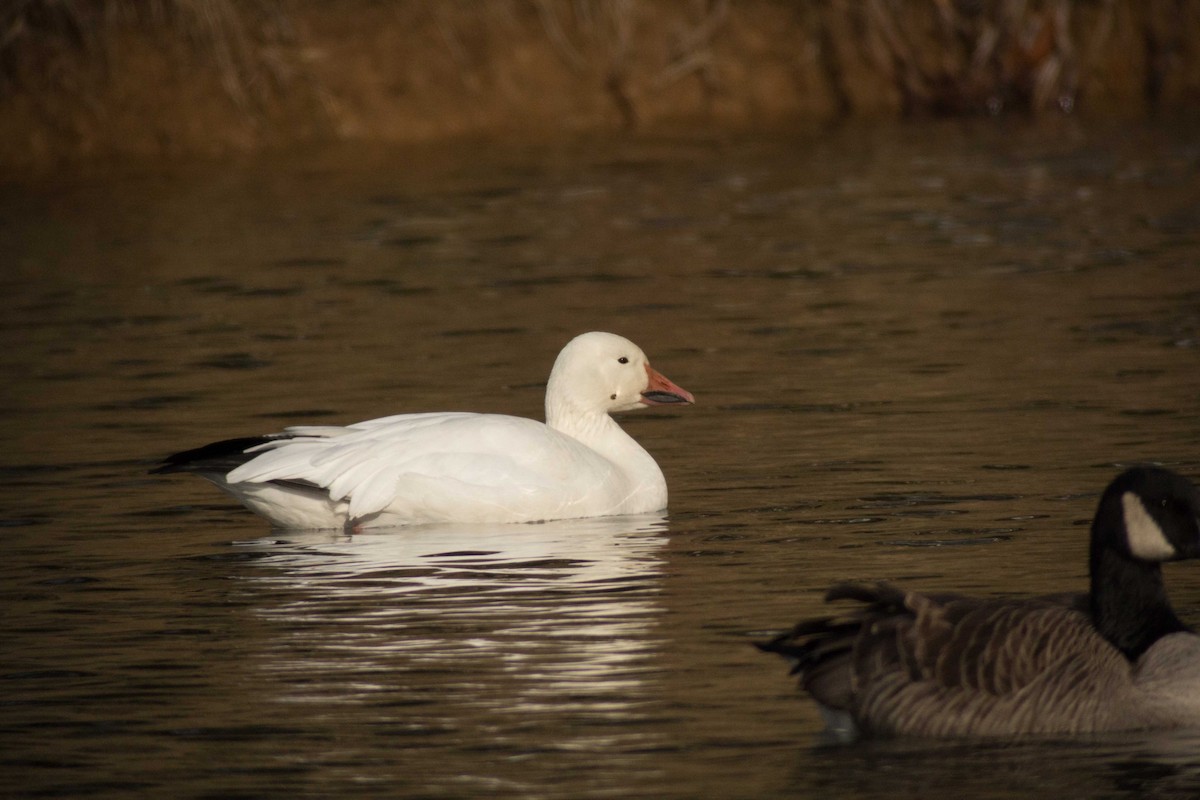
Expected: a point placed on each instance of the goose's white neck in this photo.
(600, 432)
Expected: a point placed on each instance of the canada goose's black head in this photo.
(1159, 513)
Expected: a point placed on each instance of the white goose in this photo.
(461, 467)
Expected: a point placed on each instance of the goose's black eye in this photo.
(622, 360)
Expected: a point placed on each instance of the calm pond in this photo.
(918, 353)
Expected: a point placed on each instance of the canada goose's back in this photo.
(907, 663)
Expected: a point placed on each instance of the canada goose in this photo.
(459, 467)
(1117, 658)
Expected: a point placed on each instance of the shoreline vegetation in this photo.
(92, 79)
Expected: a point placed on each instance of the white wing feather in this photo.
(438, 463)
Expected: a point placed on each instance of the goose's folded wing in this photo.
(430, 459)
(990, 645)
(934, 664)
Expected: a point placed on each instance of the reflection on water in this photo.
(920, 354)
(513, 629)
(561, 608)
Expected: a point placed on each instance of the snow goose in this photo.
(461, 467)
(1117, 658)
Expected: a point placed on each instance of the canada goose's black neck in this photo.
(1128, 599)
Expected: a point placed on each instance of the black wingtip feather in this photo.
(221, 456)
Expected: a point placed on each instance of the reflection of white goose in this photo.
(498, 623)
(411, 469)
(483, 558)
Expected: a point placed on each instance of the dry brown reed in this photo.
(42, 42)
(941, 56)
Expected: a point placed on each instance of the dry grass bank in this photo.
(93, 78)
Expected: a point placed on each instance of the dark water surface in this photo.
(918, 355)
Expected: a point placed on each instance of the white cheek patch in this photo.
(1146, 539)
